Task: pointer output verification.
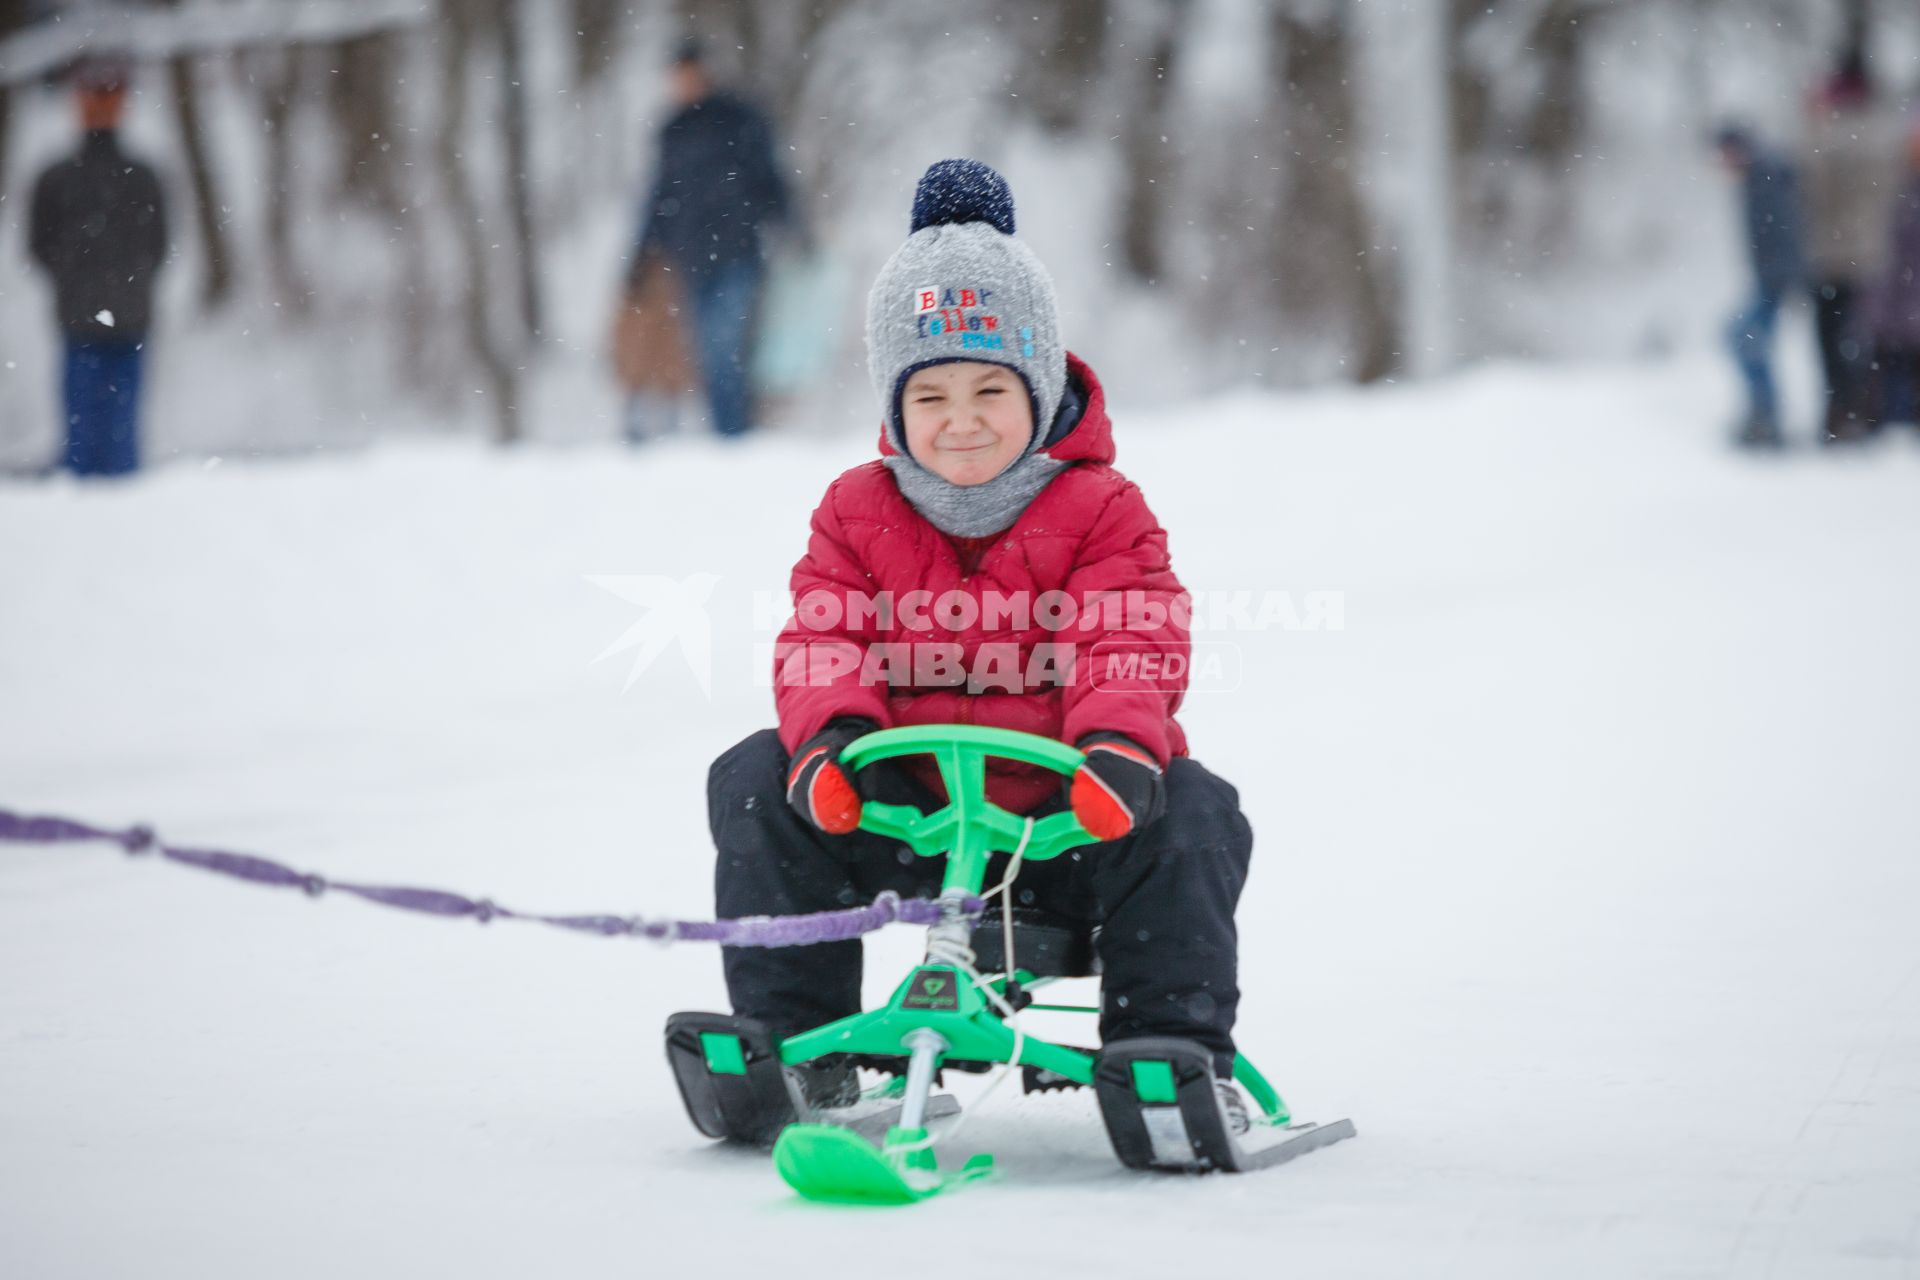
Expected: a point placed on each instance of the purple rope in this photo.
(751, 931)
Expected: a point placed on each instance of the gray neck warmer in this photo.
(976, 510)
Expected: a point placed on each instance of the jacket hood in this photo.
(1089, 440)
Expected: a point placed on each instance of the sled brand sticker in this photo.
(932, 989)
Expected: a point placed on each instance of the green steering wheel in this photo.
(971, 828)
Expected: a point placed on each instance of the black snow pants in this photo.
(1164, 899)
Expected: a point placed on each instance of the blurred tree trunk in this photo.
(1542, 128)
(1147, 153)
(6, 114)
(458, 36)
(1697, 82)
(1322, 251)
(1557, 119)
(776, 39)
(596, 30)
(13, 16)
(1550, 121)
(1856, 39)
(513, 76)
(276, 77)
(1469, 86)
(1062, 46)
(360, 78)
(1424, 232)
(218, 284)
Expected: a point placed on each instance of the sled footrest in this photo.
(730, 1077)
(1158, 1100)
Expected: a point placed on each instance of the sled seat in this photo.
(1045, 944)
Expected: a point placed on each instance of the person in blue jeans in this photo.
(102, 394)
(715, 190)
(98, 227)
(1770, 208)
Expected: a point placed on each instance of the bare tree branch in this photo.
(218, 253)
(457, 40)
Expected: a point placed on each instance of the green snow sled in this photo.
(1156, 1096)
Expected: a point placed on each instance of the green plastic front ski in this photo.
(824, 1162)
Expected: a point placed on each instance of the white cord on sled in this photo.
(959, 953)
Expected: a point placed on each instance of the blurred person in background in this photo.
(98, 227)
(650, 356)
(1770, 209)
(716, 188)
(1851, 169)
(1896, 305)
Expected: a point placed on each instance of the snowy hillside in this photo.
(1586, 879)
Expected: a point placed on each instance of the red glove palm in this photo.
(1118, 789)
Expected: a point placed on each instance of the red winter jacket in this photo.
(1108, 652)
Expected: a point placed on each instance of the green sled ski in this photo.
(836, 1165)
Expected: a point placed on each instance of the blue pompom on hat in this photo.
(957, 191)
(963, 287)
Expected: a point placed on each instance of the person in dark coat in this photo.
(1851, 169)
(1770, 205)
(715, 191)
(99, 228)
(1896, 305)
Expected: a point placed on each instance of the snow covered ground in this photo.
(1586, 879)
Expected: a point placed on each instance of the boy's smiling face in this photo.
(966, 421)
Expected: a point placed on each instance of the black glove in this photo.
(1118, 789)
(822, 792)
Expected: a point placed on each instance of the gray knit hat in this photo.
(962, 288)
